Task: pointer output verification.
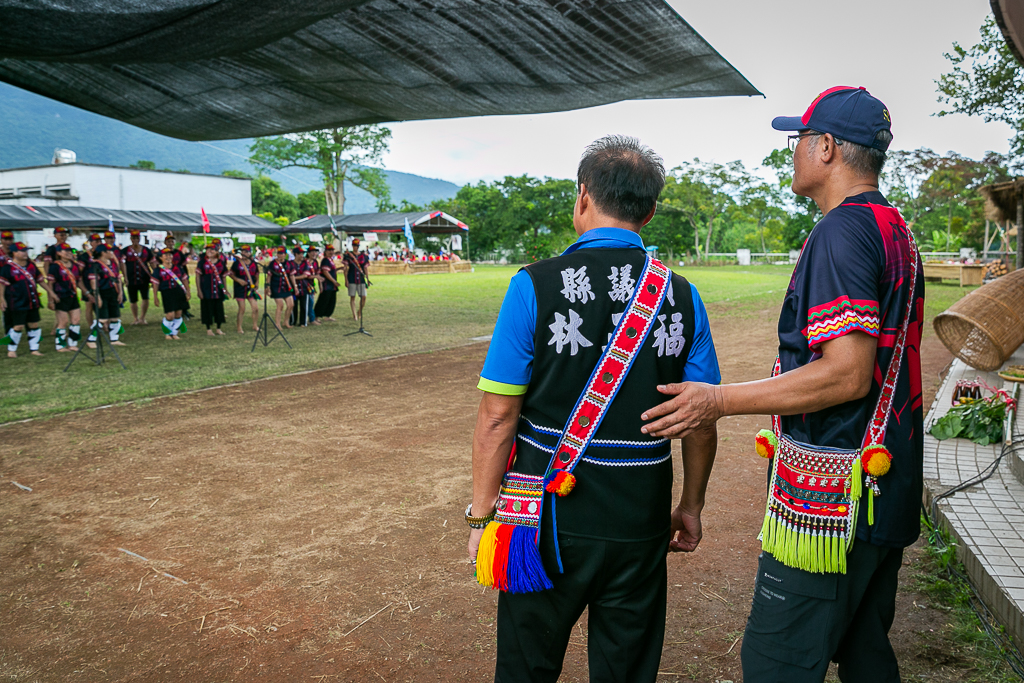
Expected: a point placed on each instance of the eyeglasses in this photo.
(794, 140)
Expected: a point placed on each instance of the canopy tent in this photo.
(430, 223)
(84, 218)
(216, 69)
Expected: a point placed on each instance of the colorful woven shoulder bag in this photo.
(815, 492)
(508, 557)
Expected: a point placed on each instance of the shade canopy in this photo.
(217, 69)
(428, 223)
(84, 218)
(1009, 16)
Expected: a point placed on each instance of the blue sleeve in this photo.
(702, 364)
(509, 364)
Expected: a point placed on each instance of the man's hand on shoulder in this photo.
(693, 406)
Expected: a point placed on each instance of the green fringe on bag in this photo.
(814, 550)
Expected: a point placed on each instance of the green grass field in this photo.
(404, 313)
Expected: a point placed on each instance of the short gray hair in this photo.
(862, 160)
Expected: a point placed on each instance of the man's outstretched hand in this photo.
(694, 405)
(686, 532)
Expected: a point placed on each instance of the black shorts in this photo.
(68, 303)
(135, 291)
(173, 300)
(243, 292)
(108, 307)
(24, 317)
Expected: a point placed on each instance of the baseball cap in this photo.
(101, 249)
(19, 246)
(213, 246)
(60, 230)
(169, 237)
(246, 247)
(108, 235)
(65, 247)
(847, 113)
(95, 237)
(329, 247)
(216, 243)
(7, 235)
(312, 249)
(135, 233)
(282, 250)
(166, 252)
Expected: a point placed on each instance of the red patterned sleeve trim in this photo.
(840, 317)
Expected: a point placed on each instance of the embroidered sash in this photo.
(814, 493)
(508, 557)
(33, 293)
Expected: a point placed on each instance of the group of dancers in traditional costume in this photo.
(101, 278)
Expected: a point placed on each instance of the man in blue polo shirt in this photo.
(604, 549)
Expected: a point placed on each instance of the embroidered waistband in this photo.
(614, 443)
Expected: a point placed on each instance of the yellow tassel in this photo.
(856, 481)
(871, 507)
(485, 555)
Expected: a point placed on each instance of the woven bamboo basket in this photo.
(985, 327)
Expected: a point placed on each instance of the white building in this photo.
(130, 189)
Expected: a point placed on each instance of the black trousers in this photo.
(212, 311)
(800, 621)
(623, 584)
(325, 304)
(299, 312)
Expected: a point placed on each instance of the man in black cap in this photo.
(581, 341)
(849, 336)
(19, 294)
(356, 264)
(137, 261)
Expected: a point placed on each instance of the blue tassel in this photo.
(525, 569)
(554, 534)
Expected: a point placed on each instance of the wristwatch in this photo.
(478, 522)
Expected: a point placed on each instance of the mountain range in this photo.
(32, 126)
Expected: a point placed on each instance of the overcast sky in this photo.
(790, 51)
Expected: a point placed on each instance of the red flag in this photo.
(206, 221)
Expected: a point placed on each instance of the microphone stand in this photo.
(263, 332)
(101, 331)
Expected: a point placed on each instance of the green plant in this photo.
(981, 421)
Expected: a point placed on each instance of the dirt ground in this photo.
(310, 529)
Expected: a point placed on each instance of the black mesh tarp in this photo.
(217, 69)
(86, 218)
(429, 223)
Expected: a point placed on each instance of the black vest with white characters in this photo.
(624, 481)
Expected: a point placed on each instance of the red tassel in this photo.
(501, 548)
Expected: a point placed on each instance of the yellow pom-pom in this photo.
(876, 460)
(765, 443)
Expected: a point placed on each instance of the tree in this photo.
(803, 212)
(144, 163)
(986, 81)
(269, 197)
(340, 155)
(720, 181)
(312, 203)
